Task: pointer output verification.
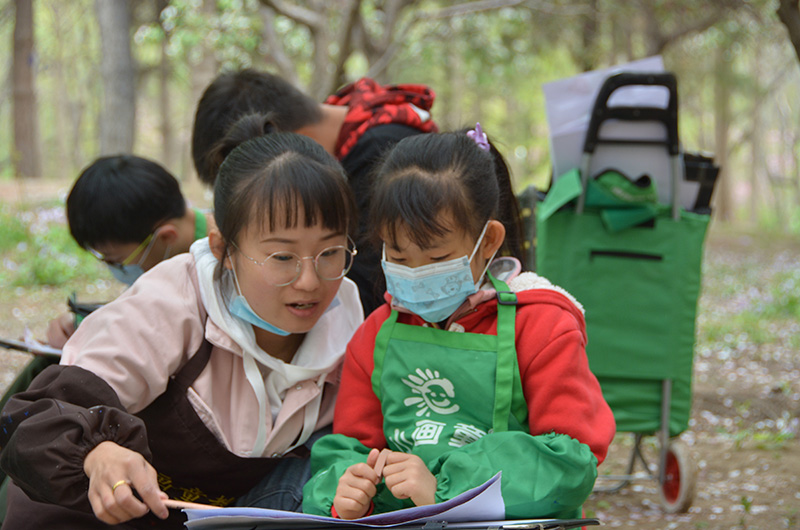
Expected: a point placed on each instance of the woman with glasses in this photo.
(210, 377)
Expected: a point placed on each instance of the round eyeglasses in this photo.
(283, 268)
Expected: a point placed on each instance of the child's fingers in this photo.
(362, 471)
(407, 476)
(415, 484)
(397, 462)
(347, 508)
(399, 486)
(372, 457)
(381, 462)
(361, 493)
(355, 492)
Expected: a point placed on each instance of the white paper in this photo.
(569, 103)
(483, 503)
(29, 345)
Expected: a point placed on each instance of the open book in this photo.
(479, 508)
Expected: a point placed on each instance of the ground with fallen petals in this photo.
(744, 428)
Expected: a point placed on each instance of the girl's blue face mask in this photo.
(240, 308)
(433, 291)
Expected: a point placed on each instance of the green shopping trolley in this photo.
(636, 269)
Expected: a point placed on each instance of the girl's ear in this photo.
(493, 238)
(217, 244)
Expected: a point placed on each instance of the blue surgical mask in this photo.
(130, 272)
(434, 291)
(240, 308)
(126, 274)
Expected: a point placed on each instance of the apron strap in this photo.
(381, 342)
(506, 354)
(191, 370)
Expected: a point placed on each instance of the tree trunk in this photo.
(723, 198)
(275, 52)
(789, 13)
(589, 55)
(60, 92)
(791, 153)
(322, 69)
(117, 119)
(202, 74)
(26, 156)
(168, 153)
(452, 105)
(756, 155)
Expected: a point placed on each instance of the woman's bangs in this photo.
(321, 196)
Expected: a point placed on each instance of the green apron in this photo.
(440, 390)
(441, 393)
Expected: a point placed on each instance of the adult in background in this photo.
(357, 125)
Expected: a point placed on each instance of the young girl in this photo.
(470, 368)
(228, 356)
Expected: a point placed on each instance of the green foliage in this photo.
(487, 65)
(40, 250)
(13, 229)
(791, 517)
(761, 439)
(232, 31)
(778, 301)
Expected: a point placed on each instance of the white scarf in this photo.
(269, 377)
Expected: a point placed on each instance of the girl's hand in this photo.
(407, 477)
(114, 473)
(357, 488)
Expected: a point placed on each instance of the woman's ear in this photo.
(493, 239)
(218, 246)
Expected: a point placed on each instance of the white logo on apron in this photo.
(435, 393)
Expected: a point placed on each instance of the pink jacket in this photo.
(139, 340)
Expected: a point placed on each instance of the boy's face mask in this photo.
(433, 291)
(127, 272)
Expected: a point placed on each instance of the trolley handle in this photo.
(602, 112)
(667, 115)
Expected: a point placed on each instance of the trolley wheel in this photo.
(680, 478)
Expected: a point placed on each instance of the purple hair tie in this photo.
(479, 137)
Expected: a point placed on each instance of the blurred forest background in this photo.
(83, 78)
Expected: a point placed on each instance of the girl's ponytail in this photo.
(509, 212)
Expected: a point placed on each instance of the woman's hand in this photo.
(407, 477)
(114, 473)
(357, 488)
(60, 329)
